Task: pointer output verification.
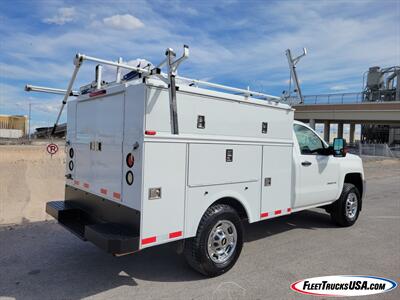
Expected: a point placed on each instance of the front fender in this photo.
(349, 165)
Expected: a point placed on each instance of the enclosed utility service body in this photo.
(133, 181)
(228, 147)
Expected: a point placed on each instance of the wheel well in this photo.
(237, 205)
(355, 178)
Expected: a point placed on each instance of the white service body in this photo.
(191, 170)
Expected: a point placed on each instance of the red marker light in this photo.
(150, 132)
(97, 93)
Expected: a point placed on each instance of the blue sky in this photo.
(238, 43)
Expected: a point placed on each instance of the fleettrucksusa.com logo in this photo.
(343, 285)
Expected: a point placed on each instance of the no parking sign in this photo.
(52, 149)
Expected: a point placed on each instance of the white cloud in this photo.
(64, 15)
(125, 22)
(339, 87)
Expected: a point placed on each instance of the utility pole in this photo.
(29, 121)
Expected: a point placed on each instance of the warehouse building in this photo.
(13, 126)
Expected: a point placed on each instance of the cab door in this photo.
(316, 174)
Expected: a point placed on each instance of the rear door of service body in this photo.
(99, 144)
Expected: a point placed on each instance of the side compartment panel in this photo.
(222, 117)
(164, 168)
(276, 181)
(211, 164)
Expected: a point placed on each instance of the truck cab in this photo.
(320, 173)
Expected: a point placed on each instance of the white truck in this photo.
(154, 158)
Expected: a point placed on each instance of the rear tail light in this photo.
(130, 160)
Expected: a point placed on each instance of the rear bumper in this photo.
(110, 226)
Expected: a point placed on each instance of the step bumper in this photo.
(111, 237)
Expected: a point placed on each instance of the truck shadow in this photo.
(307, 219)
(45, 260)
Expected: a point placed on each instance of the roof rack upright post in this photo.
(118, 79)
(172, 72)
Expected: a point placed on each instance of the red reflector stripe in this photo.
(86, 185)
(103, 191)
(149, 240)
(278, 212)
(264, 215)
(150, 132)
(97, 93)
(289, 209)
(117, 195)
(76, 182)
(175, 234)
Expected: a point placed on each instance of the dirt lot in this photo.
(29, 177)
(44, 261)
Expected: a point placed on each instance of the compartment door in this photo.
(109, 136)
(162, 217)
(276, 181)
(211, 164)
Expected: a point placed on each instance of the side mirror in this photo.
(339, 145)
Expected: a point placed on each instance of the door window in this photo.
(309, 142)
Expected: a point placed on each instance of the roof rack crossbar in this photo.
(228, 88)
(43, 89)
(170, 80)
(83, 57)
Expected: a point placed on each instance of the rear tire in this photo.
(218, 242)
(345, 211)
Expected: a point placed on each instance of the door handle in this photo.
(306, 163)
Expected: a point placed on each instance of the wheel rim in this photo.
(351, 206)
(222, 241)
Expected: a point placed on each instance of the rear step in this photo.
(111, 237)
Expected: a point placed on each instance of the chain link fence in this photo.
(375, 150)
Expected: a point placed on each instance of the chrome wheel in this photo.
(351, 206)
(222, 241)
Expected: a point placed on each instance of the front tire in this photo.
(345, 211)
(218, 242)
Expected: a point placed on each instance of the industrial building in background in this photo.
(45, 132)
(382, 85)
(13, 127)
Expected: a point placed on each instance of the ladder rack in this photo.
(169, 78)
